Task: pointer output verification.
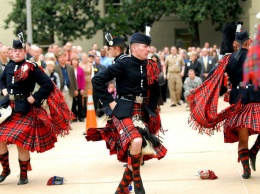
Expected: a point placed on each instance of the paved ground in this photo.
(89, 169)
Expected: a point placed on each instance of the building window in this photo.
(182, 38)
(115, 3)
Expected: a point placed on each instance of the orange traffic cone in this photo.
(91, 121)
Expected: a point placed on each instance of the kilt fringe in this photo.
(203, 130)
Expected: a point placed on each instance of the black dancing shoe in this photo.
(247, 174)
(22, 181)
(173, 105)
(3, 177)
(252, 158)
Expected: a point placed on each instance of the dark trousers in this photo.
(182, 91)
(77, 107)
(164, 91)
(85, 106)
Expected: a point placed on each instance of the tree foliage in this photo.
(133, 14)
(193, 12)
(72, 19)
(66, 19)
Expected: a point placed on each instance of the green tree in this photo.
(193, 12)
(66, 19)
(72, 19)
(132, 15)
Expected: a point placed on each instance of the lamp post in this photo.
(29, 21)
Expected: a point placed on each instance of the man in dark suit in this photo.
(68, 82)
(207, 63)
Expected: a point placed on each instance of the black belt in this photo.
(242, 85)
(136, 99)
(18, 96)
(128, 97)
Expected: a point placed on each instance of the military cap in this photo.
(242, 37)
(140, 38)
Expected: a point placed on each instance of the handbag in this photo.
(161, 80)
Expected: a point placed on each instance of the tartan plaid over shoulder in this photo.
(60, 113)
(153, 71)
(204, 102)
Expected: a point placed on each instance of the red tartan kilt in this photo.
(32, 131)
(118, 134)
(247, 117)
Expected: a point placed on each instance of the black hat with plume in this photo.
(113, 41)
(19, 43)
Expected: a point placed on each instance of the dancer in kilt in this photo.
(242, 118)
(29, 126)
(251, 73)
(135, 119)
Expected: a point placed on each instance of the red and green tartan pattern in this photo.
(118, 143)
(204, 102)
(245, 116)
(37, 130)
(251, 68)
(60, 113)
(118, 134)
(153, 71)
(205, 118)
(32, 131)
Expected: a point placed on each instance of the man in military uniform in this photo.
(135, 76)
(28, 125)
(175, 65)
(17, 83)
(249, 98)
(116, 47)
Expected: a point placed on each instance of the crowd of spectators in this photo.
(72, 68)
